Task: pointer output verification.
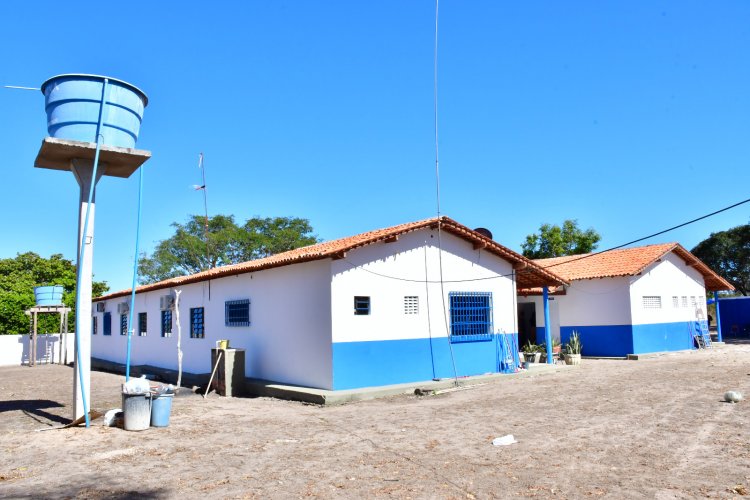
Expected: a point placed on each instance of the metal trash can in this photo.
(136, 409)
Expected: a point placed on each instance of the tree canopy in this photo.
(19, 276)
(186, 252)
(556, 241)
(728, 254)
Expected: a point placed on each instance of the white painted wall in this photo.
(14, 349)
(287, 341)
(387, 272)
(669, 278)
(601, 301)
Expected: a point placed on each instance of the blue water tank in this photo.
(48, 295)
(72, 103)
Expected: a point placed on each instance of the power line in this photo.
(586, 256)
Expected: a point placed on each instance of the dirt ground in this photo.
(655, 428)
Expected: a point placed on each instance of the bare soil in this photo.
(655, 428)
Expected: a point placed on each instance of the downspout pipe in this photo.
(79, 267)
(547, 330)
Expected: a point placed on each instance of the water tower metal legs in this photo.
(83, 171)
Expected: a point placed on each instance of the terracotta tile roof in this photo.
(626, 262)
(528, 274)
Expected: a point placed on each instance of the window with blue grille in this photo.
(361, 306)
(107, 324)
(142, 323)
(237, 312)
(123, 324)
(471, 316)
(94, 326)
(166, 323)
(196, 323)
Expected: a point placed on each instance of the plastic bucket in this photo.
(223, 344)
(161, 408)
(48, 295)
(73, 101)
(136, 409)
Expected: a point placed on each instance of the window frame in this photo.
(94, 325)
(142, 324)
(123, 324)
(197, 322)
(107, 323)
(411, 305)
(233, 308)
(471, 316)
(164, 332)
(651, 302)
(362, 305)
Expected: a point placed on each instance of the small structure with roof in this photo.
(414, 302)
(627, 301)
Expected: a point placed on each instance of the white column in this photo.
(83, 171)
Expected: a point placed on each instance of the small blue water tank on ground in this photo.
(73, 101)
(48, 295)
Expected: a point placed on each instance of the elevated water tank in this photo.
(48, 295)
(72, 102)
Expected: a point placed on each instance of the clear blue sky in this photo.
(629, 116)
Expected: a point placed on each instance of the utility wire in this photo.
(496, 276)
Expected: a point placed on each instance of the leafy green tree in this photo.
(19, 276)
(187, 252)
(556, 241)
(728, 253)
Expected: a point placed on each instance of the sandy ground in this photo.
(654, 428)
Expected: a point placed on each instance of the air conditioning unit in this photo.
(100, 306)
(166, 302)
(123, 308)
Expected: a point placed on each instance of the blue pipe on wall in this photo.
(547, 331)
(135, 274)
(79, 267)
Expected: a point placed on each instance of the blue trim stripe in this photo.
(375, 363)
(621, 340)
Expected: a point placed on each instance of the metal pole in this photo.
(135, 276)
(718, 317)
(547, 331)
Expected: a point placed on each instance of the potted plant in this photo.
(573, 349)
(531, 352)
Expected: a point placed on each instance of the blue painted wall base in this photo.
(376, 363)
(621, 340)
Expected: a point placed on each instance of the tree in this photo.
(728, 253)
(186, 252)
(556, 241)
(19, 276)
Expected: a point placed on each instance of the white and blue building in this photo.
(396, 305)
(628, 301)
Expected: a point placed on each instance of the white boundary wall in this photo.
(14, 349)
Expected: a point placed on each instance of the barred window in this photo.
(675, 301)
(166, 323)
(196, 323)
(411, 304)
(693, 303)
(123, 324)
(237, 312)
(471, 316)
(361, 306)
(94, 326)
(651, 302)
(684, 301)
(142, 322)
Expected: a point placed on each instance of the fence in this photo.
(14, 349)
